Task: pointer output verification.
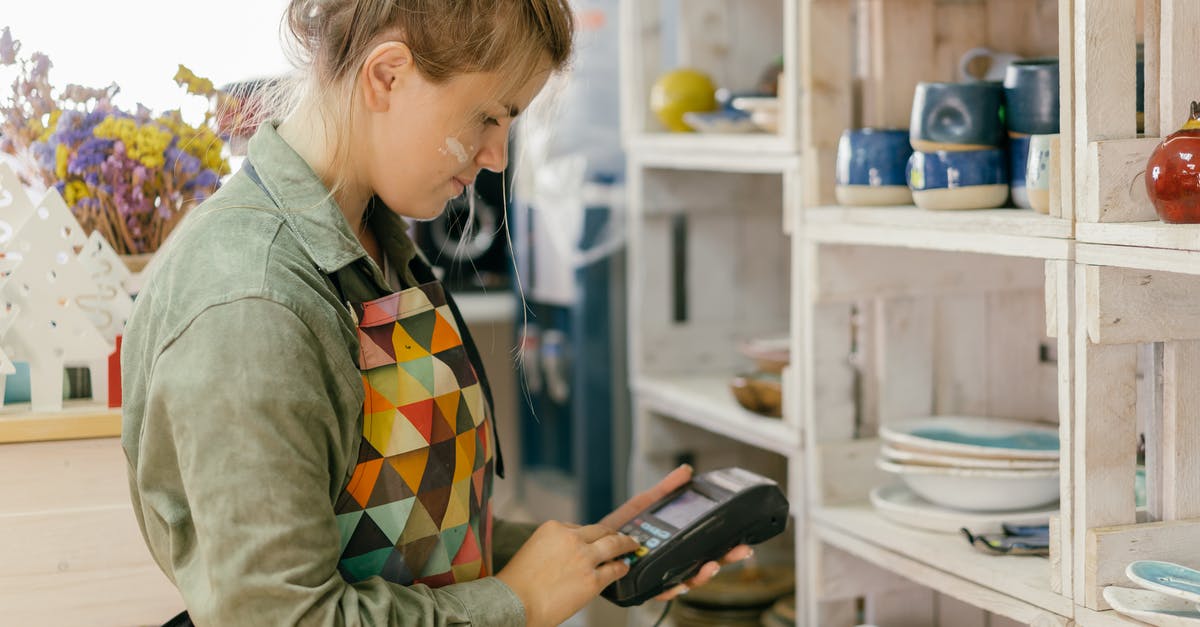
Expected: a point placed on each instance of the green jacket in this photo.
(243, 410)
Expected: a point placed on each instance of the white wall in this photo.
(139, 44)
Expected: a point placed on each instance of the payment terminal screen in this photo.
(685, 508)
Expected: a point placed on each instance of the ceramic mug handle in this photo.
(995, 71)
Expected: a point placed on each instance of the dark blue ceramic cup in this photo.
(1031, 96)
(959, 179)
(957, 116)
(871, 165)
(1141, 89)
(873, 156)
(1018, 158)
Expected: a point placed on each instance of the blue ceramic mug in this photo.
(1018, 156)
(871, 165)
(1031, 96)
(957, 116)
(1141, 89)
(960, 179)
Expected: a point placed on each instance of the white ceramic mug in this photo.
(1037, 172)
(996, 69)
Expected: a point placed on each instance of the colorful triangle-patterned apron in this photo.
(417, 507)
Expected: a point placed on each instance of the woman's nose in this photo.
(493, 155)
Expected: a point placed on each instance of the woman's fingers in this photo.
(706, 572)
(609, 572)
(633, 506)
(591, 533)
(613, 546)
(737, 554)
(672, 593)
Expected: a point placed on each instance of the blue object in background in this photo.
(957, 113)
(575, 405)
(873, 157)
(947, 169)
(1031, 100)
(567, 248)
(16, 385)
(1018, 158)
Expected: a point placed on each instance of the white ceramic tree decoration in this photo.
(8, 315)
(109, 307)
(52, 330)
(106, 303)
(15, 206)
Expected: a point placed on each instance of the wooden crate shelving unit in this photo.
(1134, 277)
(709, 235)
(951, 314)
(1088, 318)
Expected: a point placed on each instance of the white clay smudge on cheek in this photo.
(454, 147)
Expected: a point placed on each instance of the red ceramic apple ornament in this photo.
(1173, 174)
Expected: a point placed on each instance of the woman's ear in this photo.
(389, 67)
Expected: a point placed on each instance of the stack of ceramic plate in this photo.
(1169, 595)
(959, 471)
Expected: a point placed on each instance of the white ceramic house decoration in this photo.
(110, 306)
(105, 303)
(15, 207)
(52, 331)
(8, 315)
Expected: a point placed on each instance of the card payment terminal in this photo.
(698, 523)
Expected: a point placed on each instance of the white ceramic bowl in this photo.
(763, 110)
(1152, 608)
(978, 490)
(923, 458)
(971, 436)
(899, 504)
(720, 122)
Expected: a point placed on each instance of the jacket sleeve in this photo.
(241, 411)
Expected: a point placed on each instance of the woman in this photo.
(307, 422)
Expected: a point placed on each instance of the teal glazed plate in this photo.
(1178, 581)
(977, 437)
(1152, 608)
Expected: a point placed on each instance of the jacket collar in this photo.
(309, 208)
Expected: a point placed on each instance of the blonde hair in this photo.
(329, 41)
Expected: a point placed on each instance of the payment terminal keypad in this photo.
(648, 536)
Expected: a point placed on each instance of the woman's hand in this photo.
(639, 503)
(563, 567)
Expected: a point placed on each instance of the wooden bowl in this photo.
(759, 392)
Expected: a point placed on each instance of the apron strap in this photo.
(424, 274)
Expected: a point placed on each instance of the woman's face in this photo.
(433, 139)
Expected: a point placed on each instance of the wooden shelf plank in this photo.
(139, 595)
(78, 419)
(750, 152)
(707, 403)
(1153, 234)
(1091, 618)
(1181, 261)
(71, 474)
(1016, 587)
(1010, 232)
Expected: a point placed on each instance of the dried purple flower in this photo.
(8, 47)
